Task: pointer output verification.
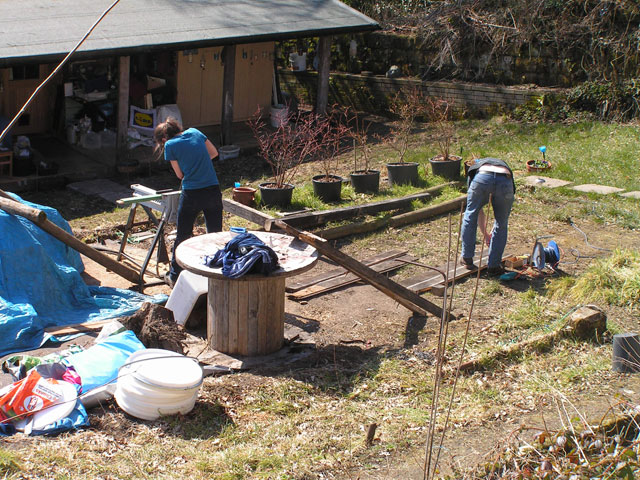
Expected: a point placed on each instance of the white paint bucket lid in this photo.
(60, 409)
(164, 368)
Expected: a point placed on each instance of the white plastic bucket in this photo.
(227, 152)
(279, 115)
(155, 382)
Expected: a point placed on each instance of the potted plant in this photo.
(332, 131)
(539, 165)
(284, 149)
(363, 179)
(444, 164)
(406, 106)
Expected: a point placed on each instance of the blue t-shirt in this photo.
(190, 151)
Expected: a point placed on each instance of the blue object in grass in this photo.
(506, 277)
(237, 184)
(543, 149)
(238, 230)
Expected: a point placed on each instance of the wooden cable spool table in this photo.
(245, 315)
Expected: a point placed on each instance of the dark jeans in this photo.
(207, 200)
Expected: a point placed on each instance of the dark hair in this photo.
(166, 131)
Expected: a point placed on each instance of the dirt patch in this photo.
(155, 328)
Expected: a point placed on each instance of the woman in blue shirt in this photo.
(191, 155)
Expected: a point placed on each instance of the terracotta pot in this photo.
(531, 166)
(244, 195)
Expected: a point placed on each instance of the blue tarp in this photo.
(41, 285)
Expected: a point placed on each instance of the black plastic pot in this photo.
(273, 196)
(327, 189)
(449, 169)
(403, 173)
(365, 181)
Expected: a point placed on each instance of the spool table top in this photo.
(294, 256)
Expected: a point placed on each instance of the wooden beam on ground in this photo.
(395, 221)
(402, 295)
(429, 279)
(312, 219)
(248, 213)
(307, 281)
(40, 219)
(349, 278)
(78, 327)
(228, 79)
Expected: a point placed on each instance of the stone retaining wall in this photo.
(373, 93)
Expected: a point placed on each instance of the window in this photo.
(25, 72)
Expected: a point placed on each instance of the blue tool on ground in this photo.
(542, 256)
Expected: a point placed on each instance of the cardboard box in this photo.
(516, 261)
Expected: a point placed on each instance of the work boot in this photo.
(467, 263)
(495, 271)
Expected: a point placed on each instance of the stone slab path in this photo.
(548, 182)
(106, 189)
(631, 195)
(601, 189)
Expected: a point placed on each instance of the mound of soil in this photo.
(155, 327)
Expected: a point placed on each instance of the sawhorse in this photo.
(149, 200)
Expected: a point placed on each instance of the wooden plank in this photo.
(234, 300)
(277, 336)
(311, 219)
(252, 318)
(428, 212)
(248, 213)
(395, 221)
(78, 327)
(313, 279)
(425, 282)
(243, 315)
(402, 295)
(349, 278)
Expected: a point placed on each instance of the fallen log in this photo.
(40, 219)
(585, 323)
(402, 295)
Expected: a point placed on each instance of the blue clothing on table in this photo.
(244, 253)
(190, 151)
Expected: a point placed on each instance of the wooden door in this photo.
(189, 84)
(211, 96)
(254, 79)
(14, 93)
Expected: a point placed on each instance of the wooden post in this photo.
(229, 57)
(40, 218)
(123, 106)
(324, 64)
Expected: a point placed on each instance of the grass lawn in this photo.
(308, 420)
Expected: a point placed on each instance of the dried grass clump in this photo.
(614, 280)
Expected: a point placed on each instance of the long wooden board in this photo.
(424, 282)
(314, 279)
(248, 213)
(311, 219)
(404, 296)
(78, 327)
(348, 278)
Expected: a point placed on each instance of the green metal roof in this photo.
(48, 29)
